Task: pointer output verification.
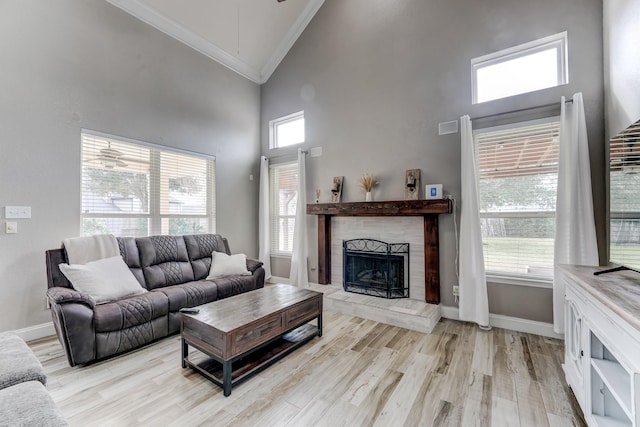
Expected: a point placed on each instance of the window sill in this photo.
(281, 255)
(532, 282)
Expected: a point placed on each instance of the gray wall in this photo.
(73, 64)
(621, 63)
(376, 77)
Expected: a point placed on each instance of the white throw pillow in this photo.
(105, 280)
(228, 265)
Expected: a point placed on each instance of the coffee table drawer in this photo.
(254, 335)
(302, 313)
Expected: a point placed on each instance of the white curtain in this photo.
(298, 274)
(575, 241)
(264, 218)
(474, 302)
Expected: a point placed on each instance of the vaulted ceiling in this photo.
(249, 36)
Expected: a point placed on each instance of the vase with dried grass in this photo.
(366, 182)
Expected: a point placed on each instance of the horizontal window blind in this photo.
(137, 189)
(624, 181)
(517, 184)
(283, 181)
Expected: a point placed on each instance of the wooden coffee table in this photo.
(244, 334)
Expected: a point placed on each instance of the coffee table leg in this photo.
(226, 377)
(185, 353)
(320, 325)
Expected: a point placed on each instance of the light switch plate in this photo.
(11, 227)
(15, 212)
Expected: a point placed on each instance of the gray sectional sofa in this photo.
(172, 268)
(24, 399)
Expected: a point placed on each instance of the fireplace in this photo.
(376, 268)
(429, 210)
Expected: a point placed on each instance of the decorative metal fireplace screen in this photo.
(376, 268)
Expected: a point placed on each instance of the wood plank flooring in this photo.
(360, 373)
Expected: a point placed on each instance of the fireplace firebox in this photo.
(376, 268)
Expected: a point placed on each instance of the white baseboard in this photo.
(36, 332)
(511, 323)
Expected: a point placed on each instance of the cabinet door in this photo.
(573, 357)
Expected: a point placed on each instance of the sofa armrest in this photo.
(72, 315)
(253, 265)
(59, 295)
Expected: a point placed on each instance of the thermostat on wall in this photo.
(433, 191)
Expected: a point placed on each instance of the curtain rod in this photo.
(286, 158)
(488, 116)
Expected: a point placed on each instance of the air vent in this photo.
(448, 127)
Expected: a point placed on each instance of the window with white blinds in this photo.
(624, 185)
(131, 188)
(517, 184)
(283, 180)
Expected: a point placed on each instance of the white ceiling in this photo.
(249, 36)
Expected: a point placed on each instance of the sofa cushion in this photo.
(17, 362)
(105, 279)
(190, 294)
(131, 256)
(164, 261)
(200, 247)
(115, 342)
(129, 312)
(29, 404)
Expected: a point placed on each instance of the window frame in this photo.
(558, 41)
(530, 280)
(154, 216)
(273, 127)
(275, 216)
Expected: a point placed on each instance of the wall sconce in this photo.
(336, 189)
(411, 181)
(412, 184)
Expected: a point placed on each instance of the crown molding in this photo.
(178, 32)
(292, 35)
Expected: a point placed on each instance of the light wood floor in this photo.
(360, 373)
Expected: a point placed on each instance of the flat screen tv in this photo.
(624, 198)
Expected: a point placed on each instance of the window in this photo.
(286, 131)
(526, 68)
(624, 182)
(517, 184)
(130, 188)
(284, 197)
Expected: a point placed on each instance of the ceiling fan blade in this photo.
(111, 153)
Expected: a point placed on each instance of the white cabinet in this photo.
(602, 345)
(573, 352)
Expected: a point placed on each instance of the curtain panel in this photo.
(575, 241)
(474, 300)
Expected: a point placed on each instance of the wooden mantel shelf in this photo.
(428, 209)
(385, 208)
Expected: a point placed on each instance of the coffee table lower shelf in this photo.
(228, 373)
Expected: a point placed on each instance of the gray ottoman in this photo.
(29, 404)
(17, 362)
